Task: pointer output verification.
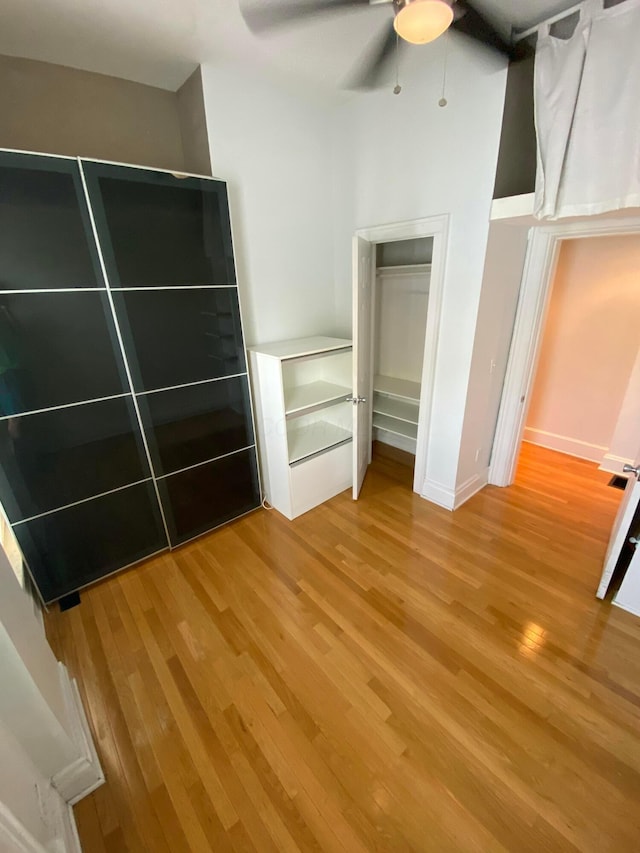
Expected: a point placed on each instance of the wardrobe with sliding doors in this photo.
(125, 415)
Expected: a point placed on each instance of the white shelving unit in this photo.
(303, 419)
(396, 404)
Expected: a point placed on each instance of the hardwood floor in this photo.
(381, 675)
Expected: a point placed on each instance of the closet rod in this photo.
(523, 34)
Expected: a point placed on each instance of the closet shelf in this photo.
(403, 269)
(397, 387)
(395, 408)
(306, 397)
(314, 438)
(396, 426)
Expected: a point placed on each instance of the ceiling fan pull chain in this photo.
(443, 101)
(397, 88)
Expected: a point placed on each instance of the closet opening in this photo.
(398, 282)
(400, 309)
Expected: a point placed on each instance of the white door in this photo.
(621, 526)
(362, 358)
(628, 596)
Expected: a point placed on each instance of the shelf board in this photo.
(314, 438)
(304, 397)
(302, 347)
(394, 425)
(396, 408)
(397, 387)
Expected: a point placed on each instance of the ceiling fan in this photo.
(413, 22)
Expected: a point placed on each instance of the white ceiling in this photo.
(159, 42)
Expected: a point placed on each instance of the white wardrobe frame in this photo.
(438, 228)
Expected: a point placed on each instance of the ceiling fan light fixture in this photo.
(422, 21)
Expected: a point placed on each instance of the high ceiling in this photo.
(159, 42)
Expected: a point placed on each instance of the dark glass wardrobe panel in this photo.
(57, 348)
(204, 497)
(186, 426)
(157, 229)
(68, 549)
(55, 458)
(45, 233)
(174, 337)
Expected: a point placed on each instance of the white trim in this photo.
(634, 610)
(614, 464)
(564, 444)
(123, 352)
(453, 498)
(205, 462)
(189, 384)
(512, 206)
(65, 406)
(540, 264)
(14, 836)
(82, 501)
(438, 228)
(176, 174)
(37, 153)
(151, 288)
(408, 270)
(470, 487)
(85, 774)
(43, 290)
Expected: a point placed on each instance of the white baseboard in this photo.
(400, 442)
(85, 774)
(614, 464)
(565, 444)
(453, 498)
(627, 607)
(470, 487)
(57, 816)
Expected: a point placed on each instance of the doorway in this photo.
(541, 262)
(395, 359)
(583, 400)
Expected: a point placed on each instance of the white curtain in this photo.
(587, 112)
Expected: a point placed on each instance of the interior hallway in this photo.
(380, 675)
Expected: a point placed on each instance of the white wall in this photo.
(506, 250)
(624, 447)
(403, 157)
(589, 346)
(401, 302)
(272, 145)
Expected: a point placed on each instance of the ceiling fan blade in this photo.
(376, 59)
(469, 22)
(268, 15)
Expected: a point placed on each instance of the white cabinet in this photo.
(304, 420)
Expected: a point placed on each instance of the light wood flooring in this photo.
(375, 676)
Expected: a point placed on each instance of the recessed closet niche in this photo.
(403, 271)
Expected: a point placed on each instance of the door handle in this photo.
(630, 469)
(355, 400)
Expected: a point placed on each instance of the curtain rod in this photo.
(523, 34)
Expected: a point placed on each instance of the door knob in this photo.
(630, 469)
